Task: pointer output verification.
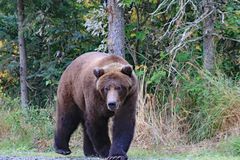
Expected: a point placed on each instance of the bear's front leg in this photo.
(97, 131)
(123, 131)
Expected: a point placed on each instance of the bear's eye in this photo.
(129, 88)
(106, 88)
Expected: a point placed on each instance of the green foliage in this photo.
(24, 129)
(6, 102)
(77, 27)
(156, 77)
(208, 99)
(236, 146)
(228, 46)
(50, 26)
(183, 57)
(230, 146)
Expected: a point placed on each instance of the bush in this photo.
(209, 100)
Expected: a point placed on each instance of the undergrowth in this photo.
(212, 105)
(194, 108)
(29, 129)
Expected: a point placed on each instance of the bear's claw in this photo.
(63, 151)
(117, 158)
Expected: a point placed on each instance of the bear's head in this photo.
(114, 83)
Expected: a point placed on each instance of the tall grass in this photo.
(157, 123)
(214, 105)
(200, 107)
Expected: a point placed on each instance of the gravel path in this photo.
(63, 158)
(42, 158)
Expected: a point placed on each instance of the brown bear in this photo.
(93, 88)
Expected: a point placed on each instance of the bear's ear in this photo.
(98, 72)
(127, 69)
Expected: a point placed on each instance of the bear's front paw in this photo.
(63, 151)
(117, 158)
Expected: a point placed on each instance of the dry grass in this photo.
(157, 124)
(230, 123)
(160, 126)
(231, 118)
(4, 129)
(76, 140)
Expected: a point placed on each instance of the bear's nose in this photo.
(112, 105)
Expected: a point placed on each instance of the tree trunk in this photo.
(208, 30)
(116, 36)
(22, 54)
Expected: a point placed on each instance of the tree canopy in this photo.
(162, 36)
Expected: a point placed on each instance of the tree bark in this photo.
(208, 41)
(116, 35)
(22, 54)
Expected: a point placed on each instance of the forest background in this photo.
(186, 54)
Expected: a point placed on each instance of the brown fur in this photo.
(86, 88)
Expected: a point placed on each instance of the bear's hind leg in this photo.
(67, 123)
